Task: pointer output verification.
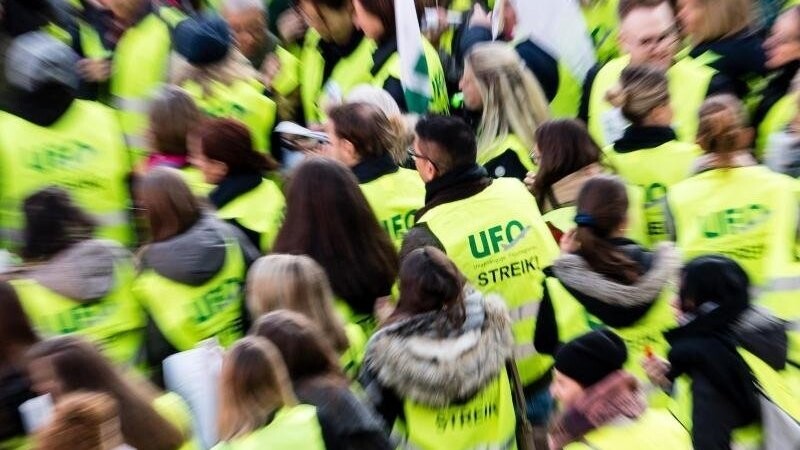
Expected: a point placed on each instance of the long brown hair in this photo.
(430, 281)
(306, 351)
(328, 218)
(82, 421)
(229, 141)
(602, 209)
(297, 283)
(16, 332)
(254, 385)
(565, 147)
(169, 206)
(370, 131)
(79, 366)
(172, 115)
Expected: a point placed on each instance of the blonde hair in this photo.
(723, 18)
(234, 67)
(297, 283)
(513, 100)
(254, 385)
(641, 89)
(82, 421)
(721, 126)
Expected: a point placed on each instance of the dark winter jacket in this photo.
(740, 58)
(425, 360)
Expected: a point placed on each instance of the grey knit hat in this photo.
(36, 59)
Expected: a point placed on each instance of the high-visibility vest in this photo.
(140, 65)
(83, 152)
(395, 198)
(645, 335)
(292, 428)
(748, 213)
(260, 210)
(602, 23)
(439, 102)
(115, 322)
(352, 358)
(287, 79)
(498, 239)
(196, 313)
(563, 218)
(174, 410)
(486, 421)
(777, 118)
(655, 429)
(654, 170)
(316, 93)
(567, 101)
(243, 101)
(688, 86)
(500, 146)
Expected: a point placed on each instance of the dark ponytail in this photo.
(228, 141)
(602, 209)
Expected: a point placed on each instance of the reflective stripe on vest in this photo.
(114, 322)
(486, 421)
(196, 313)
(260, 210)
(293, 428)
(395, 198)
(688, 85)
(140, 65)
(751, 217)
(439, 101)
(501, 250)
(243, 100)
(352, 70)
(83, 152)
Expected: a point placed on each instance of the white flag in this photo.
(414, 74)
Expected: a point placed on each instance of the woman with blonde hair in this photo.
(257, 406)
(511, 105)
(731, 205)
(220, 79)
(721, 36)
(298, 283)
(649, 153)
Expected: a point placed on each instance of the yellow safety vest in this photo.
(500, 146)
(115, 322)
(352, 358)
(563, 218)
(140, 65)
(688, 86)
(748, 213)
(293, 428)
(196, 313)
(486, 421)
(83, 152)
(655, 429)
(574, 320)
(602, 22)
(350, 71)
(777, 118)
(260, 210)
(498, 239)
(395, 198)
(286, 80)
(654, 170)
(439, 102)
(567, 101)
(243, 101)
(174, 410)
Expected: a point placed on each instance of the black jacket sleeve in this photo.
(395, 88)
(382, 399)
(583, 110)
(545, 337)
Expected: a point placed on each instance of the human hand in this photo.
(291, 27)
(94, 70)
(656, 369)
(530, 179)
(269, 69)
(568, 243)
(480, 18)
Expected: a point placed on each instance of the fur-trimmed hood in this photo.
(412, 358)
(618, 304)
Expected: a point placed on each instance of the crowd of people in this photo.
(513, 224)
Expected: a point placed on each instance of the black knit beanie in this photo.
(591, 357)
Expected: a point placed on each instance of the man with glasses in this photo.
(492, 230)
(648, 36)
